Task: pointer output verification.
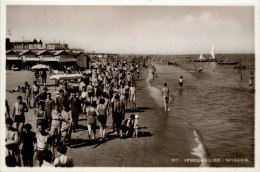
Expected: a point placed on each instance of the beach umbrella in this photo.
(40, 67)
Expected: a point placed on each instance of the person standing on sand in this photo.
(50, 106)
(27, 94)
(36, 91)
(117, 115)
(28, 140)
(132, 95)
(165, 94)
(18, 114)
(43, 142)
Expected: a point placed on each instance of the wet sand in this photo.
(150, 149)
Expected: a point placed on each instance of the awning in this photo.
(69, 59)
(50, 59)
(13, 58)
(34, 59)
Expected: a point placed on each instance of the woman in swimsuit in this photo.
(102, 118)
(91, 120)
(41, 115)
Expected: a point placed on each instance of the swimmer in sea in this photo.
(200, 69)
(165, 94)
(181, 83)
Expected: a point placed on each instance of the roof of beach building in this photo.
(11, 52)
(27, 52)
(59, 52)
(44, 52)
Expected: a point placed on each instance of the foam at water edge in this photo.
(201, 150)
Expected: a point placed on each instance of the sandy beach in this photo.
(147, 150)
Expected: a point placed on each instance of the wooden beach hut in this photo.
(65, 58)
(13, 59)
(30, 58)
(83, 60)
(48, 58)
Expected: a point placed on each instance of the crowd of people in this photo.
(108, 90)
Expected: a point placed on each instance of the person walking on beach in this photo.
(55, 126)
(27, 94)
(75, 109)
(28, 140)
(66, 125)
(102, 117)
(132, 95)
(41, 115)
(18, 114)
(181, 83)
(117, 115)
(50, 105)
(36, 90)
(165, 94)
(43, 142)
(61, 100)
(91, 120)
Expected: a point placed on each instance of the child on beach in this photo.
(132, 125)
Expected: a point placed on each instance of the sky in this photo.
(137, 29)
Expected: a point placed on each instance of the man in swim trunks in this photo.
(165, 93)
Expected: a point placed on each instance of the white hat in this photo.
(136, 116)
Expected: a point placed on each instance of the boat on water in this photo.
(227, 63)
(201, 59)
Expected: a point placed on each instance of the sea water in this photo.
(215, 105)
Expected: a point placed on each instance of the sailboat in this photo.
(201, 59)
(212, 53)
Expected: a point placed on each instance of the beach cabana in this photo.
(48, 58)
(83, 60)
(65, 77)
(13, 59)
(64, 58)
(30, 58)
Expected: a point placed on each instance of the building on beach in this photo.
(64, 58)
(30, 58)
(56, 46)
(83, 60)
(24, 54)
(48, 58)
(13, 59)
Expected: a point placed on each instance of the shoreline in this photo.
(148, 150)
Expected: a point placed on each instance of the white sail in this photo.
(212, 52)
(201, 57)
